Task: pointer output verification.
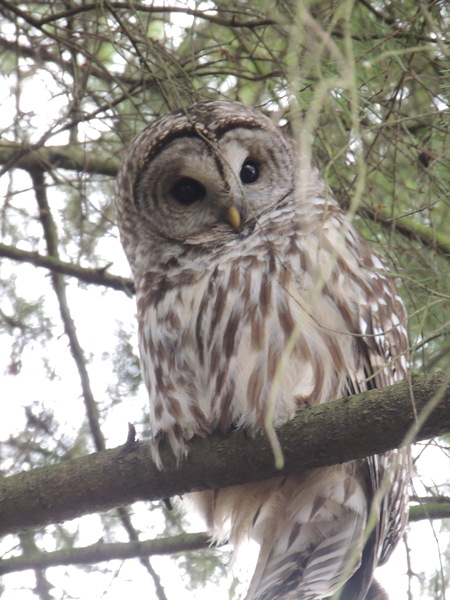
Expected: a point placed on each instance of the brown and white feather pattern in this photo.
(218, 306)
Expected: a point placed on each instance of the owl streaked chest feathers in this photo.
(254, 290)
(251, 325)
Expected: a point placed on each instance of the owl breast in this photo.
(251, 329)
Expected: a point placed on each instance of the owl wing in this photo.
(306, 556)
(384, 349)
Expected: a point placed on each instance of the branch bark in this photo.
(184, 542)
(431, 510)
(411, 229)
(47, 158)
(98, 276)
(346, 429)
(100, 552)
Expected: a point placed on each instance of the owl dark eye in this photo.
(249, 171)
(186, 191)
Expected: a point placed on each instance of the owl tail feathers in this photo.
(308, 572)
(376, 592)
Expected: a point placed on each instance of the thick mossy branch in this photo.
(346, 429)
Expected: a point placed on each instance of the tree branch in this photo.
(101, 552)
(333, 433)
(411, 229)
(181, 543)
(217, 19)
(431, 510)
(98, 276)
(184, 542)
(47, 158)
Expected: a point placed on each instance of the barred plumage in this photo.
(254, 288)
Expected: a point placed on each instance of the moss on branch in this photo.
(350, 428)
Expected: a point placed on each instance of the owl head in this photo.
(203, 173)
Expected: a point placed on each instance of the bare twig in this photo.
(51, 239)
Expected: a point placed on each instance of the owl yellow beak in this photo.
(234, 218)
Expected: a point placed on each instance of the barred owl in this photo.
(254, 290)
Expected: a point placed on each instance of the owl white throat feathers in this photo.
(254, 289)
